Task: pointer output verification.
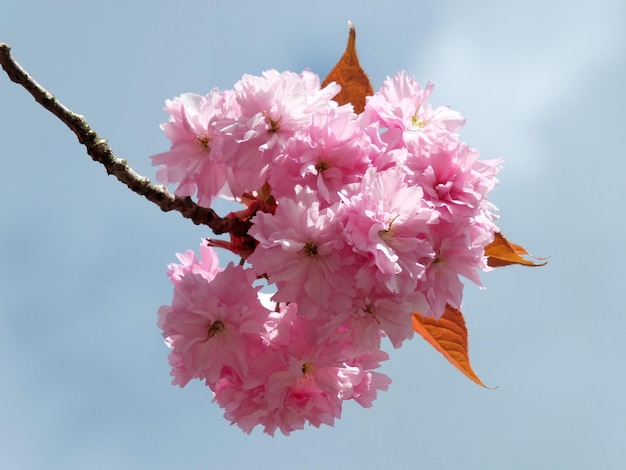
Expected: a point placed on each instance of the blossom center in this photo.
(387, 234)
(274, 124)
(369, 311)
(307, 368)
(416, 121)
(204, 141)
(322, 166)
(216, 327)
(310, 249)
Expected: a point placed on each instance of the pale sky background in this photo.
(84, 378)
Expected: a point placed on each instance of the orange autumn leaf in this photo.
(355, 84)
(502, 252)
(448, 335)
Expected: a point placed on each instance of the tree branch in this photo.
(99, 150)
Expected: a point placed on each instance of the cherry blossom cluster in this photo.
(356, 222)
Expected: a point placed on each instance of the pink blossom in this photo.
(366, 383)
(207, 266)
(194, 161)
(214, 324)
(272, 108)
(456, 254)
(384, 220)
(402, 109)
(301, 251)
(304, 383)
(375, 313)
(328, 153)
(242, 405)
(298, 379)
(453, 178)
(392, 314)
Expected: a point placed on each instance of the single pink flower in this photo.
(453, 178)
(194, 160)
(384, 219)
(301, 251)
(402, 109)
(214, 324)
(456, 254)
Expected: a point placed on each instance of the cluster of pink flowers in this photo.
(365, 219)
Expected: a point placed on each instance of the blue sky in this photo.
(85, 380)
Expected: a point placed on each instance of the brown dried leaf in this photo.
(355, 84)
(448, 335)
(501, 252)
